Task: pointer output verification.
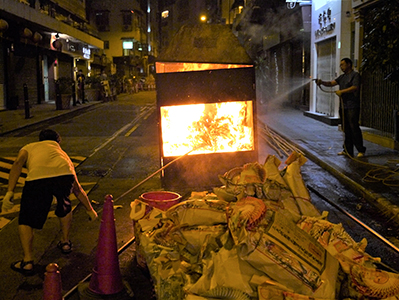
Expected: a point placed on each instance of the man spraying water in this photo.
(349, 91)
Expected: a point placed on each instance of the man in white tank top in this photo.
(51, 173)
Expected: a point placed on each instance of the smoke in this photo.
(259, 25)
(271, 34)
(278, 101)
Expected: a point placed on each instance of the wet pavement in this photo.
(373, 176)
(318, 141)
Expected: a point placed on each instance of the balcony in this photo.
(52, 17)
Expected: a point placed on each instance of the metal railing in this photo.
(379, 102)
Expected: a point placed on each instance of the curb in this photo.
(383, 204)
(59, 116)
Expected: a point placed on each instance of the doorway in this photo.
(326, 62)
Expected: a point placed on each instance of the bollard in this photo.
(106, 280)
(52, 286)
(58, 100)
(26, 102)
(396, 125)
(74, 93)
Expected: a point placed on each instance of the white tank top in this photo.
(46, 159)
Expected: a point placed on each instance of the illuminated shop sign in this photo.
(324, 30)
(127, 45)
(324, 20)
(86, 52)
(72, 47)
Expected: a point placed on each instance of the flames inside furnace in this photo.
(207, 128)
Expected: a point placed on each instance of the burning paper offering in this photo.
(210, 127)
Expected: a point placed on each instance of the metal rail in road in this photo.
(359, 222)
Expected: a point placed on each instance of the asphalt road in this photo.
(119, 144)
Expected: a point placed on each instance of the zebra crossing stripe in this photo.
(5, 167)
(6, 164)
(7, 217)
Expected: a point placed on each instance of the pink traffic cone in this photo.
(106, 278)
(52, 286)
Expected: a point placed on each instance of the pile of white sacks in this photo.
(256, 237)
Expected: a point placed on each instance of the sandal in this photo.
(65, 247)
(21, 269)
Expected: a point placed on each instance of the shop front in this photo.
(331, 40)
(35, 50)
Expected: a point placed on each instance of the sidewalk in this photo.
(320, 142)
(11, 120)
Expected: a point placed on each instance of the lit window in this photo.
(127, 44)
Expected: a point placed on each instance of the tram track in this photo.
(73, 293)
(335, 186)
(366, 227)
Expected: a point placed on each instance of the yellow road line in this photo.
(144, 114)
(132, 130)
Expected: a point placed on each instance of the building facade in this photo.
(40, 42)
(332, 38)
(277, 36)
(380, 88)
(130, 33)
(338, 31)
(176, 13)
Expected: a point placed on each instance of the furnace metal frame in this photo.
(208, 86)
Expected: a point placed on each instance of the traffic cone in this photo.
(52, 286)
(106, 280)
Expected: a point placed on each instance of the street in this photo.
(115, 147)
(119, 144)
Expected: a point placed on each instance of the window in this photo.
(128, 46)
(106, 44)
(102, 20)
(127, 17)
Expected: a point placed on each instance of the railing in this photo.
(53, 10)
(379, 103)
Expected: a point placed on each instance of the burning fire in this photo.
(187, 67)
(210, 127)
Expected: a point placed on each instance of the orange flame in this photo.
(209, 127)
(171, 67)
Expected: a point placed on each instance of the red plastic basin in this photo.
(161, 199)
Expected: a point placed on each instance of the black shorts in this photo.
(37, 197)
